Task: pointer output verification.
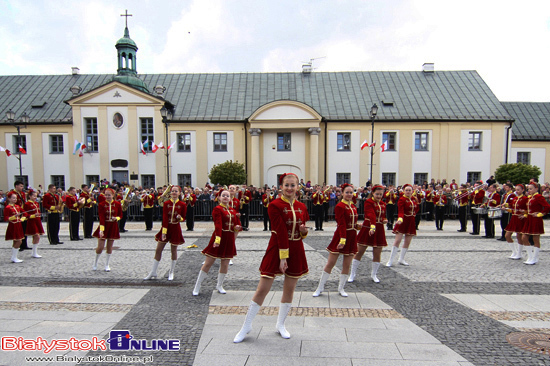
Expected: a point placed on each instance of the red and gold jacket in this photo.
(517, 205)
(21, 197)
(266, 199)
(245, 197)
(390, 198)
(464, 197)
(536, 204)
(71, 201)
(286, 218)
(375, 213)
(318, 198)
(440, 199)
(108, 212)
(346, 217)
(51, 201)
(225, 219)
(89, 199)
(148, 201)
(170, 211)
(101, 198)
(494, 199)
(190, 199)
(477, 196)
(407, 207)
(507, 198)
(32, 210)
(235, 204)
(431, 196)
(10, 212)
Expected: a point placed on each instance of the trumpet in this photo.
(165, 195)
(125, 202)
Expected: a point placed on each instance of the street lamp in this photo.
(10, 116)
(373, 112)
(166, 118)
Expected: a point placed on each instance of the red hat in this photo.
(343, 186)
(112, 191)
(377, 186)
(219, 192)
(282, 177)
(521, 185)
(406, 185)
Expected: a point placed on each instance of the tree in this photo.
(228, 173)
(516, 173)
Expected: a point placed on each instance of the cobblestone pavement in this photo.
(443, 265)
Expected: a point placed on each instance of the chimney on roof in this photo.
(428, 67)
(307, 68)
(75, 70)
(160, 89)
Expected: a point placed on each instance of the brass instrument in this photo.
(165, 195)
(125, 202)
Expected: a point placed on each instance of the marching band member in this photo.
(440, 201)
(124, 205)
(505, 218)
(516, 208)
(390, 199)
(343, 242)
(406, 224)
(74, 204)
(244, 198)
(463, 199)
(148, 201)
(267, 197)
(418, 194)
(222, 243)
(190, 199)
(88, 210)
(493, 200)
(53, 203)
(285, 254)
(173, 213)
(234, 203)
(109, 213)
(537, 207)
(318, 199)
(430, 203)
(21, 198)
(13, 214)
(476, 198)
(34, 222)
(372, 232)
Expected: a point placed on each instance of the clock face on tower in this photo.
(118, 120)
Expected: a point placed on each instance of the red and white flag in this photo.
(384, 146)
(373, 144)
(8, 153)
(154, 148)
(172, 145)
(23, 151)
(364, 144)
(161, 146)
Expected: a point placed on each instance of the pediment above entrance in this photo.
(115, 93)
(284, 111)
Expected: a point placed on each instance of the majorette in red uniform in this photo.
(34, 222)
(372, 233)
(173, 213)
(222, 243)
(516, 207)
(407, 207)
(285, 254)
(13, 214)
(343, 242)
(537, 207)
(109, 213)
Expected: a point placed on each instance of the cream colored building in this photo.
(437, 124)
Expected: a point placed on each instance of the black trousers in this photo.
(24, 241)
(439, 216)
(476, 220)
(266, 219)
(319, 211)
(489, 226)
(430, 211)
(122, 221)
(88, 221)
(53, 227)
(190, 217)
(504, 221)
(390, 213)
(244, 216)
(148, 215)
(74, 223)
(326, 206)
(417, 219)
(462, 214)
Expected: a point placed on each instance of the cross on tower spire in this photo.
(126, 15)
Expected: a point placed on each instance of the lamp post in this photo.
(373, 112)
(10, 116)
(166, 118)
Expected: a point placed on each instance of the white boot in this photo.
(402, 257)
(529, 250)
(341, 284)
(534, 256)
(96, 260)
(253, 309)
(519, 248)
(392, 256)
(284, 308)
(375, 266)
(354, 265)
(512, 246)
(230, 262)
(14, 258)
(219, 285)
(153, 273)
(107, 259)
(197, 289)
(171, 272)
(35, 251)
(322, 281)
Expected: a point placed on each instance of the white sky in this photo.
(507, 42)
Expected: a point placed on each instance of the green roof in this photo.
(532, 120)
(336, 96)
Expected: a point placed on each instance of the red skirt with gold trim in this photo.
(378, 239)
(297, 263)
(111, 231)
(407, 227)
(34, 226)
(14, 231)
(173, 235)
(225, 250)
(351, 243)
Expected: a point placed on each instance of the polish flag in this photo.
(155, 147)
(172, 145)
(373, 144)
(23, 151)
(364, 144)
(161, 146)
(384, 146)
(6, 150)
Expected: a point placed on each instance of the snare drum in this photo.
(494, 213)
(479, 210)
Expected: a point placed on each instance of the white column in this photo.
(314, 154)
(255, 156)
